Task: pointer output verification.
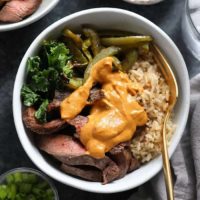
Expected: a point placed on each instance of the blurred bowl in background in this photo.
(143, 2)
(40, 175)
(45, 7)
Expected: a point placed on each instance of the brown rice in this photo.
(154, 96)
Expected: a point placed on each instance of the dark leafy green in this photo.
(41, 114)
(46, 72)
(29, 96)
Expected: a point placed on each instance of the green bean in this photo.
(117, 63)
(113, 33)
(74, 37)
(143, 49)
(75, 83)
(110, 51)
(133, 41)
(85, 45)
(95, 41)
(78, 56)
(130, 59)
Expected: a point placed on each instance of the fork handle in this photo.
(166, 163)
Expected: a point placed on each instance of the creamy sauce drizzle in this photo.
(114, 118)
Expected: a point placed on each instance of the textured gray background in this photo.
(14, 44)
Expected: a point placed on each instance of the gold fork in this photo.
(171, 81)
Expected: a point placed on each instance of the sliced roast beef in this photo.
(124, 158)
(58, 98)
(16, 10)
(110, 171)
(88, 173)
(46, 128)
(78, 122)
(61, 145)
(70, 151)
(95, 95)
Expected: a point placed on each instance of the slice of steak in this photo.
(16, 10)
(87, 173)
(122, 155)
(71, 152)
(95, 95)
(88, 160)
(110, 171)
(60, 145)
(45, 128)
(58, 98)
(134, 164)
(78, 122)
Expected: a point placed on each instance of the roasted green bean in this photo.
(94, 38)
(110, 51)
(130, 58)
(134, 41)
(75, 83)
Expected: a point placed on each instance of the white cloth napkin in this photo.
(185, 161)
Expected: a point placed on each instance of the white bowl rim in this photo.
(29, 20)
(29, 149)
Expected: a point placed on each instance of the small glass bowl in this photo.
(33, 171)
(191, 35)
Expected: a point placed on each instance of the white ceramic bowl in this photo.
(107, 18)
(45, 7)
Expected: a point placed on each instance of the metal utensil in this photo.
(171, 81)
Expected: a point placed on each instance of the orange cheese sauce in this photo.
(114, 118)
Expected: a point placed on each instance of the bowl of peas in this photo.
(26, 184)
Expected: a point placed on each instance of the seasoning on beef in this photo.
(46, 128)
(16, 10)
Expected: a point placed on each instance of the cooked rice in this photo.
(147, 142)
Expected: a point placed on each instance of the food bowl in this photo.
(116, 19)
(45, 7)
(143, 2)
(7, 175)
